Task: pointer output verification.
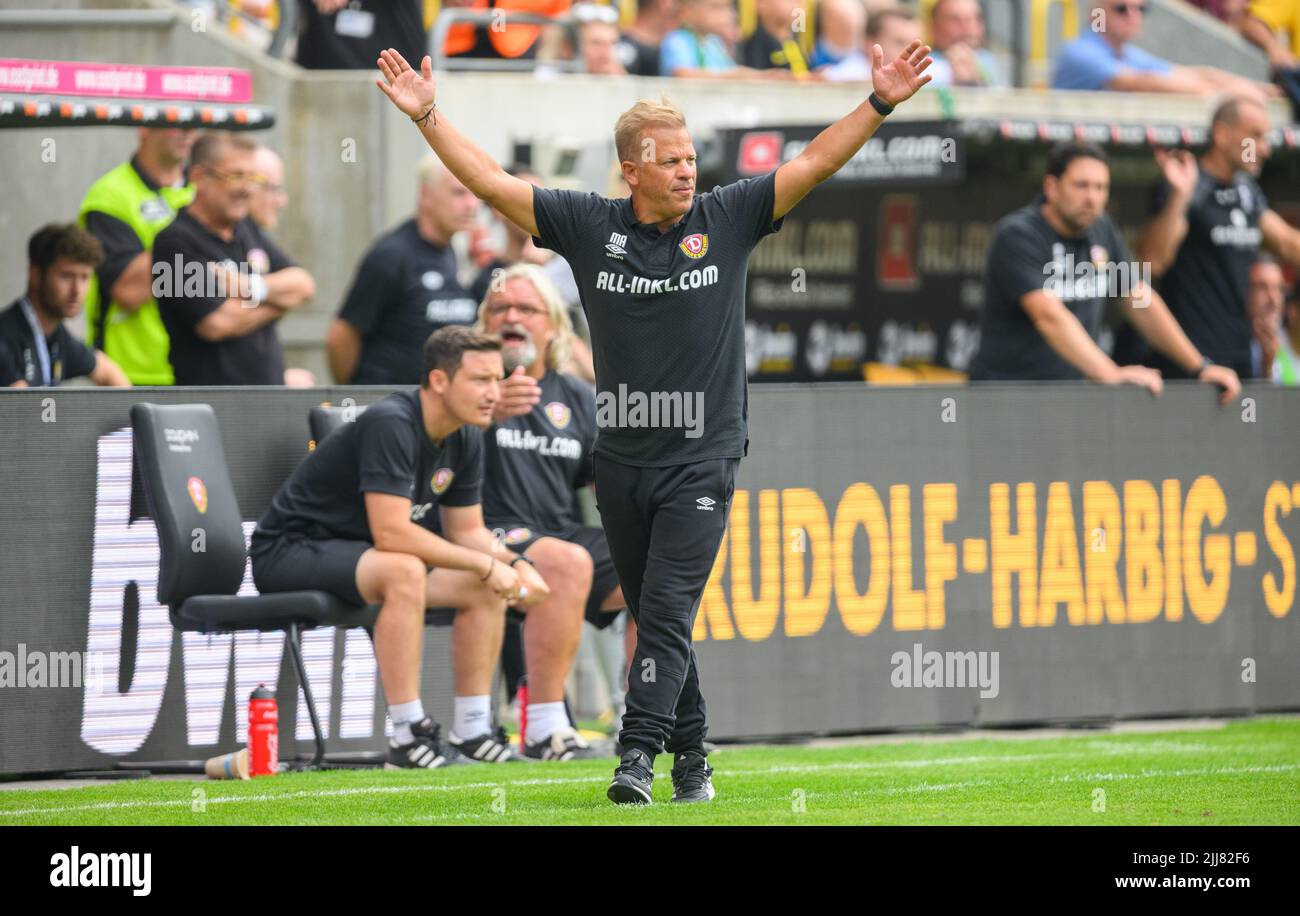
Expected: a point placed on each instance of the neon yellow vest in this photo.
(136, 341)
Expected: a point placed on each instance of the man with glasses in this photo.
(1105, 57)
(538, 454)
(220, 283)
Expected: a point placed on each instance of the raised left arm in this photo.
(826, 154)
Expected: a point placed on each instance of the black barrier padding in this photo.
(769, 666)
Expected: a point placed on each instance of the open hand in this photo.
(899, 80)
(411, 92)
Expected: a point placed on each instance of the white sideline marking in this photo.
(762, 771)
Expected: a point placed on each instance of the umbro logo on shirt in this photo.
(615, 247)
(705, 504)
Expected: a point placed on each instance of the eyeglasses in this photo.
(1125, 8)
(241, 178)
(497, 309)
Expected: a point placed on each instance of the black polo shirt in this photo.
(20, 356)
(386, 450)
(405, 289)
(764, 51)
(667, 316)
(536, 461)
(1028, 254)
(253, 359)
(1206, 285)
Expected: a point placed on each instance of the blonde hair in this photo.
(631, 123)
(557, 354)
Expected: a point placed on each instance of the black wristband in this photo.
(879, 104)
(424, 117)
(525, 559)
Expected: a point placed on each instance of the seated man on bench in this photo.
(538, 457)
(358, 518)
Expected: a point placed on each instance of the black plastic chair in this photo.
(182, 466)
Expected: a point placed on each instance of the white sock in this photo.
(403, 714)
(544, 719)
(472, 716)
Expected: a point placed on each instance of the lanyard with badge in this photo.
(38, 342)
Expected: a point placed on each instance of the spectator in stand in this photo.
(839, 27)
(774, 44)
(1207, 222)
(1271, 354)
(222, 284)
(1269, 24)
(264, 206)
(507, 41)
(698, 50)
(893, 28)
(1052, 266)
(36, 350)
(125, 210)
(1108, 59)
(349, 34)
(639, 46)
(957, 36)
(406, 288)
(598, 39)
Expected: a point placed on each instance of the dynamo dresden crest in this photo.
(695, 245)
(198, 493)
(558, 414)
(441, 480)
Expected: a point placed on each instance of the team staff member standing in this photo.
(405, 289)
(1049, 275)
(1208, 221)
(36, 349)
(662, 280)
(126, 209)
(538, 455)
(381, 502)
(220, 282)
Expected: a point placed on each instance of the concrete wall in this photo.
(339, 203)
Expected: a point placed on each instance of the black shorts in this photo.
(294, 562)
(604, 579)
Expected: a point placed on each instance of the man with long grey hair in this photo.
(537, 455)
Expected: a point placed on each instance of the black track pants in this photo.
(664, 526)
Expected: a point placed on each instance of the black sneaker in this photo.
(425, 752)
(691, 782)
(632, 779)
(489, 747)
(563, 744)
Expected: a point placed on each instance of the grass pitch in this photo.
(1246, 772)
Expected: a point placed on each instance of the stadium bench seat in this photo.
(187, 488)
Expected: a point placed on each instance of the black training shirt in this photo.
(385, 450)
(1027, 254)
(253, 359)
(405, 289)
(535, 462)
(667, 316)
(20, 358)
(1206, 285)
